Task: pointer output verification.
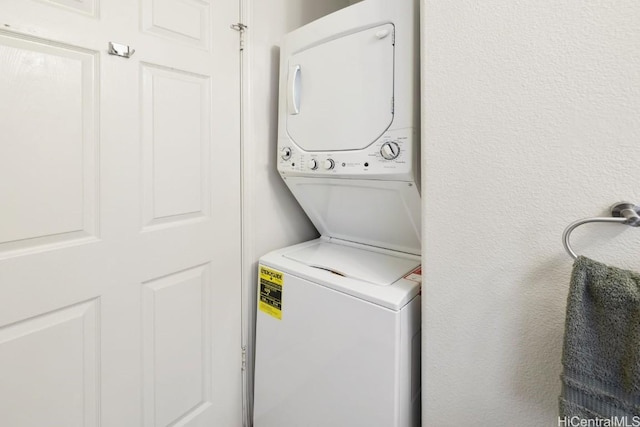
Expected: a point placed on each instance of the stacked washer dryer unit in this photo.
(338, 319)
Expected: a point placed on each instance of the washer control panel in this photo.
(390, 150)
(285, 153)
(393, 154)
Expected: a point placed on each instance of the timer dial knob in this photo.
(390, 150)
(329, 164)
(312, 164)
(285, 153)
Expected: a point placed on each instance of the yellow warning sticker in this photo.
(270, 292)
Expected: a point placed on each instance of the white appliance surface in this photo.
(349, 73)
(344, 91)
(315, 259)
(348, 123)
(380, 269)
(338, 319)
(377, 213)
(334, 359)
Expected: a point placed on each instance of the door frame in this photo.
(247, 187)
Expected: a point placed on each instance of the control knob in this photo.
(329, 164)
(285, 153)
(312, 164)
(390, 150)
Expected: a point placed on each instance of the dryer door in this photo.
(340, 93)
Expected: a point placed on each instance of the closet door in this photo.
(119, 218)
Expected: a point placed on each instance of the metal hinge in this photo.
(244, 357)
(241, 28)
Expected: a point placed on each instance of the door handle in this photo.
(120, 49)
(293, 98)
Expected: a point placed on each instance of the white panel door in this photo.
(119, 214)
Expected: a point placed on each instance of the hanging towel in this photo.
(601, 354)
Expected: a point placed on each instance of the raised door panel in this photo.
(48, 172)
(50, 369)
(341, 91)
(176, 139)
(177, 347)
(88, 7)
(181, 20)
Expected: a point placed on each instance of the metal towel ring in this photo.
(622, 213)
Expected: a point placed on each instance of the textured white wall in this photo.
(531, 116)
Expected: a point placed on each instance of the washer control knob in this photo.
(312, 164)
(285, 153)
(329, 164)
(390, 150)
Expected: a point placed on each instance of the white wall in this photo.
(531, 116)
(273, 219)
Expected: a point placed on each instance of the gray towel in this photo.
(601, 355)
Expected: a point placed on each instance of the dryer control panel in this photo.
(392, 156)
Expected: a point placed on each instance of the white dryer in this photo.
(338, 318)
(348, 117)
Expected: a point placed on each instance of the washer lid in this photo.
(377, 268)
(363, 263)
(385, 214)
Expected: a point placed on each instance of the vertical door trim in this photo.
(247, 220)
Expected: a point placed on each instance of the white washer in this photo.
(338, 319)
(343, 350)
